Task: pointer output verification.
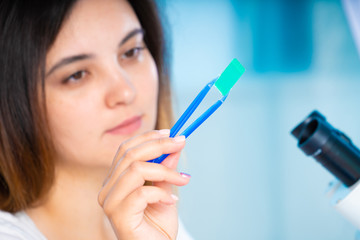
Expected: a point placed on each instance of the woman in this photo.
(78, 79)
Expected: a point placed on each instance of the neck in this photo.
(72, 204)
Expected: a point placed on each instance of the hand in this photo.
(144, 211)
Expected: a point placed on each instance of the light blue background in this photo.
(249, 179)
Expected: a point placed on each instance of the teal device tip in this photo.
(229, 77)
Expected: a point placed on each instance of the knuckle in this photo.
(122, 148)
(142, 193)
(136, 167)
(108, 209)
(151, 133)
(161, 141)
(130, 153)
(110, 206)
(101, 199)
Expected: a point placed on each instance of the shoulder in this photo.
(18, 226)
(183, 233)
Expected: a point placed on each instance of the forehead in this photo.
(92, 23)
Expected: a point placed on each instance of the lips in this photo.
(127, 127)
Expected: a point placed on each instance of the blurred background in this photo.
(249, 178)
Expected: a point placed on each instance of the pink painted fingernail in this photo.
(164, 132)
(185, 175)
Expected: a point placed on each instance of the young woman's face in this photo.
(101, 82)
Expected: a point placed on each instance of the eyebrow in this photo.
(80, 57)
(132, 34)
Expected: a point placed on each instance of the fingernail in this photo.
(176, 198)
(179, 139)
(164, 132)
(185, 175)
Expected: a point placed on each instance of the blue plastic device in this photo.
(223, 83)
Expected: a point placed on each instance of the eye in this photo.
(75, 77)
(132, 53)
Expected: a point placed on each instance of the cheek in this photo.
(69, 118)
(149, 82)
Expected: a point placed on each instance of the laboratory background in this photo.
(249, 178)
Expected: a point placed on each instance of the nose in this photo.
(120, 89)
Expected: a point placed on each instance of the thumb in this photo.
(172, 160)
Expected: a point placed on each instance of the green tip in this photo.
(229, 77)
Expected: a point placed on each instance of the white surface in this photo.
(352, 8)
(349, 207)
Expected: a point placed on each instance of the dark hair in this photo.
(27, 31)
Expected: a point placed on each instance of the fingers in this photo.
(145, 195)
(154, 148)
(124, 197)
(145, 151)
(134, 141)
(172, 160)
(135, 176)
(127, 214)
(137, 140)
(136, 201)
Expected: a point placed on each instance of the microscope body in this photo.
(339, 156)
(335, 152)
(346, 201)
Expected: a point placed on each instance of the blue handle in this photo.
(187, 132)
(203, 117)
(192, 107)
(159, 159)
